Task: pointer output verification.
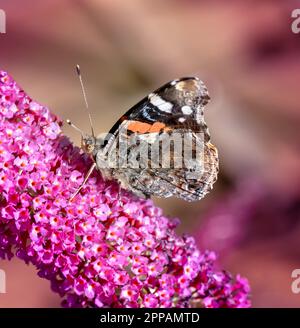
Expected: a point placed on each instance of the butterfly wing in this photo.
(150, 137)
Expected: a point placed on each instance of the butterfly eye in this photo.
(90, 148)
(87, 145)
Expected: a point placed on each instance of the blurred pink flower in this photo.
(252, 212)
(226, 224)
(96, 250)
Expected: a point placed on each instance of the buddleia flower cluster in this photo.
(101, 249)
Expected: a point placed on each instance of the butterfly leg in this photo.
(90, 171)
(119, 195)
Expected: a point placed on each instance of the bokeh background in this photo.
(249, 58)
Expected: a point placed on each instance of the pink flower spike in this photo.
(99, 250)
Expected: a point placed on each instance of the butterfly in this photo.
(161, 146)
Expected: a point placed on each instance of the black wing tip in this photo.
(185, 78)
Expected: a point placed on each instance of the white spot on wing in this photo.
(160, 103)
(186, 110)
(181, 119)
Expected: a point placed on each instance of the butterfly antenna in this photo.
(85, 98)
(75, 127)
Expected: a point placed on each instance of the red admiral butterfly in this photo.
(161, 146)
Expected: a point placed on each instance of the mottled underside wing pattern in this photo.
(175, 109)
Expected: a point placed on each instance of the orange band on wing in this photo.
(142, 127)
(157, 126)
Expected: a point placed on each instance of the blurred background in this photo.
(249, 58)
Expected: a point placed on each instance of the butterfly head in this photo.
(88, 143)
